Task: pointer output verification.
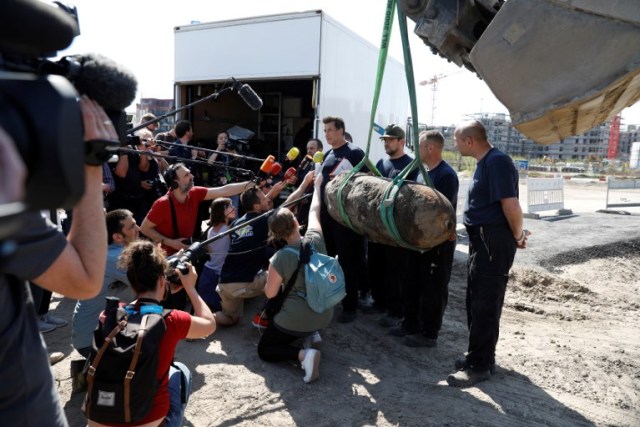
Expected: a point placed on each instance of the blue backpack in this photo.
(324, 280)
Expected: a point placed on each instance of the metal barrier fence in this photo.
(545, 194)
(623, 192)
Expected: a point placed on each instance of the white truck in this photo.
(303, 65)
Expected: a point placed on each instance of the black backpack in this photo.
(122, 368)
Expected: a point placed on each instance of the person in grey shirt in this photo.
(121, 230)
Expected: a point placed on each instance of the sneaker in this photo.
(55, 357)
(54, 320)
(312, 341)
(311, 365)
(419, 340)
(467, 378)
(45, 327)
(398, 331)
(260, 322)
(461, 365)
(389, 321)
(347, 316)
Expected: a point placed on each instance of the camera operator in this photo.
(72, 266)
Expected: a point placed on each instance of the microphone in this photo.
(304, 164)
(248, 95)
(289, 173)
(318, 157)
(276, 168)
(101, 79)
(292, 154)
(265, 168)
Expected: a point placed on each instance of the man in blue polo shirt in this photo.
(426, 291)
(493, 219)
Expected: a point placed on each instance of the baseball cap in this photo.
(393, 131)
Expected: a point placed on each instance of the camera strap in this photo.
(174, 220)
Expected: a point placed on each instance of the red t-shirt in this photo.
(186, 215)
(178, 324)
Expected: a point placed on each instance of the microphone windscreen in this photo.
(250, 97)
(289, 173)
(318, 157)
(276, 168)
(292, 154)
(109, 84)
(267, 164)
(35, 28)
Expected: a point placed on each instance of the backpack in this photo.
(122, 369)
(324, 280)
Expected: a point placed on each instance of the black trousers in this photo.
(388, 270)
(275, 345)
(491, 253)
(426, 292)
(350, 247)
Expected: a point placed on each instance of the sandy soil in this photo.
(569, 350)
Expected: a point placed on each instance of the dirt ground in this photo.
(568, 355)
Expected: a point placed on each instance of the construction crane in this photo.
(433, 81)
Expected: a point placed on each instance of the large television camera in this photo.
(39, 106)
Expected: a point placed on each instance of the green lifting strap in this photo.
(382, 60)
(392, 191)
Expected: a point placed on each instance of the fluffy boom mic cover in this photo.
(101, 79)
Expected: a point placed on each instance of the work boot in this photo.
(467, 378)
(461, 365)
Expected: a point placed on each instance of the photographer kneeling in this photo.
(145, 265)
(295, 319)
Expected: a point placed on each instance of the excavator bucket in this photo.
(560, 66)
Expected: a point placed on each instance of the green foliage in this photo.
(458, 162)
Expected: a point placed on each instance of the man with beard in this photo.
(388, 264)
(172, 218)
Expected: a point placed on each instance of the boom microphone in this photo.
(248, 95)
(101, 79)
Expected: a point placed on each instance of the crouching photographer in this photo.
(43, 126)
(151, 398)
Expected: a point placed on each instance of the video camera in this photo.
(39, 106)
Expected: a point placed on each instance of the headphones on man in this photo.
(171, 177)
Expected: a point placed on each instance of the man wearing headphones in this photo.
(172, 218)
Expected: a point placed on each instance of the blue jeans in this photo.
(178, 373)
(207, 283)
